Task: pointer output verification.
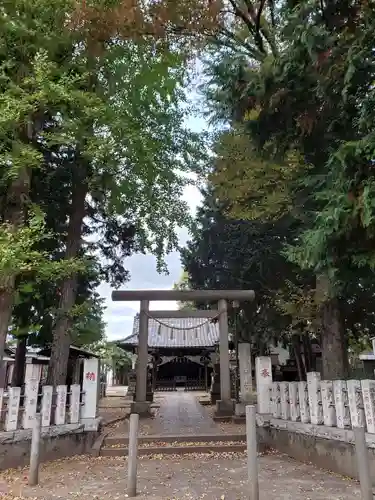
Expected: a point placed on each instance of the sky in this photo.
(119, 316)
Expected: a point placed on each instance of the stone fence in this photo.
(312, 421)
(339, 403)
(58, 406)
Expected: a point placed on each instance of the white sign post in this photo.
(263, 370)
(90, 388)
(46, 405)
(11, 422)
(31, 394)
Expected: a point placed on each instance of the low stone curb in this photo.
(176, 450)
(114, 420)
(222, 418)
(97, 446)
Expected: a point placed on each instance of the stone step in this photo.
(190, 438)
(177, 449)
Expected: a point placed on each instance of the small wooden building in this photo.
(182, 351)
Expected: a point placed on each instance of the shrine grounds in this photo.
(210, 476)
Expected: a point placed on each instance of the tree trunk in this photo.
(310, 364)
(296, 342)
(14, 215)
(58, 364)
(335, 363)
(19, 367)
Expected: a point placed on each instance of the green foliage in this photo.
(311, 101)
(229, 253)
(84, 111)
(111, 356)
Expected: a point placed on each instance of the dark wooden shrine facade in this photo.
(181, 351)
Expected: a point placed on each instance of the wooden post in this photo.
(34, 451)
(132, 455)
(363, 463)
(252, 452)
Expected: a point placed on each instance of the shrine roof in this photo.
(180, 333)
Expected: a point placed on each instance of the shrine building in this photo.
(181, 351)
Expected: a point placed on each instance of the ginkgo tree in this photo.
(92, 80)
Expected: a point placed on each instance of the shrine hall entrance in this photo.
(183, 372)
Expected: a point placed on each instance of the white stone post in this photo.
(32, 374)
(275, 401)
(328, 403)
(134, 358)
(340, 392)
(357, 414)
(315, 399)
(284, 398)
(90, 388)
(246, 378)
(60, 410)
(295, 415)
(14, 395)
(303, 397)
(46, 405)
(74, 407)
(368, 394)
(263, 371)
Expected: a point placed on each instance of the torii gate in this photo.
(225, 404)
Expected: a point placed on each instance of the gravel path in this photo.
(210, 477)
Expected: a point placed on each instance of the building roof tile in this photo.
(178, 333)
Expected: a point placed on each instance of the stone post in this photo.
(328, 403)
(368, 394)
(340, 392)
(284, 397)
(134, 358)
(263, 376)
(357, 414)
(141, 405)
(294, 402)
(225, 406)
(303, 397)
(91, 380)
(246, 378)
(32, 377)
(275, 402)
(315, 398)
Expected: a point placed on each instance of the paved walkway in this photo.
(162, 478)
(180, 413)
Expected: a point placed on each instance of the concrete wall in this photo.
(57, 442)
(326, 447)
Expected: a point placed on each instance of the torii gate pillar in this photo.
(225, 405)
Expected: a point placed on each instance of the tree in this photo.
(112, 357)
(92, 85)
(324, 53)
(228, 253)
